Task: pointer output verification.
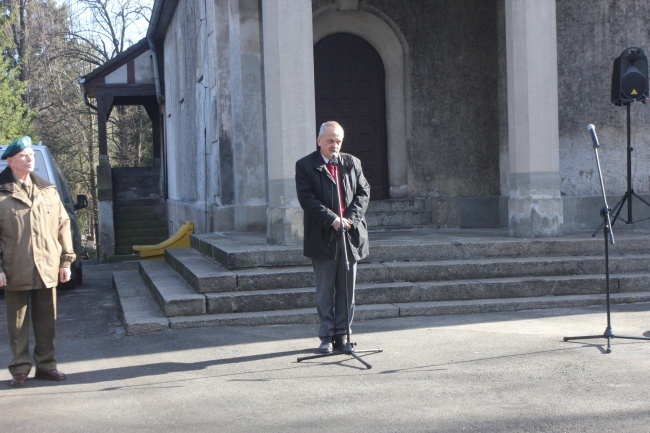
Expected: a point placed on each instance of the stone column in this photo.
(106, 235)
(535, 205)
(290, 110)
(247, 111)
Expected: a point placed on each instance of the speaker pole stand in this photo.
(629, 193)
(609, 238)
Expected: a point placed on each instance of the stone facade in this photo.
(590, 36)
(488, 103)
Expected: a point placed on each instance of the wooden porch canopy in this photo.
(127, 79)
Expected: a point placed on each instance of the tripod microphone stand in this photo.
(605, 212)
(629, 193)
(342, 245)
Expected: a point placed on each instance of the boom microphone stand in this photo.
(349, 347)
(609, 236)
(629, 193)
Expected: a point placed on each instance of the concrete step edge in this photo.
(233, 254)
(379, 311)
(402, 292)
(514, 304)
(141, 313)
(196, 269)
(203, 274)
(174, 295)
(614, 278)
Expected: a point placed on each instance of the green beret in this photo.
(16, 147)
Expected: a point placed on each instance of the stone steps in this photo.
(141, 225)
(133, 211)
(140, 311)
(137, 223)
(129, 238)
(398, 213)
(416, 246)
(174, 295)
(178, 300)
(208, 277)
(140, 317)
(442, 275)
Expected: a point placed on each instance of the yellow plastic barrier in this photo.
(180, 240)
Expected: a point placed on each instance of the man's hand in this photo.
(64, 275)
(3, 279)
(337, 224)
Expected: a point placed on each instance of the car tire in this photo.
(79, 276)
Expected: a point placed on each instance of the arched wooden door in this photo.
(349, 79)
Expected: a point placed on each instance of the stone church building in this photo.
(464, 113)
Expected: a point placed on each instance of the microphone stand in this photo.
(605, 212)
(349, 347)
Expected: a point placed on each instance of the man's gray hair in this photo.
(328, 124)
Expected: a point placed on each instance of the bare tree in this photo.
(53, 43)
(131, 137)
(102, 29)
(107, 26)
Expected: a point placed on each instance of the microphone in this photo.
(335, 158)
(592, 130)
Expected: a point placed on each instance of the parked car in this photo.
(47, 168)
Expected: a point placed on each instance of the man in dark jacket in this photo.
(316, 184)
(35, 253)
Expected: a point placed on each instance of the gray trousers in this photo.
(331, 302)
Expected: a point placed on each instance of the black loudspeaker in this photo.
(630, 77)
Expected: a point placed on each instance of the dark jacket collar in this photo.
(317, 158)
(7, 181)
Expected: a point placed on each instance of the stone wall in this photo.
(456, 144)
(459, 145)
(453, 53)
(590, 36)
(215, 146)
(185, 145)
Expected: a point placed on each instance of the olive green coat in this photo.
(35, 235)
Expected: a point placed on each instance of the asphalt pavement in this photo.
(497, 372)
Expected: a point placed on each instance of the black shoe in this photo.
(340, 341)
(325, 345)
